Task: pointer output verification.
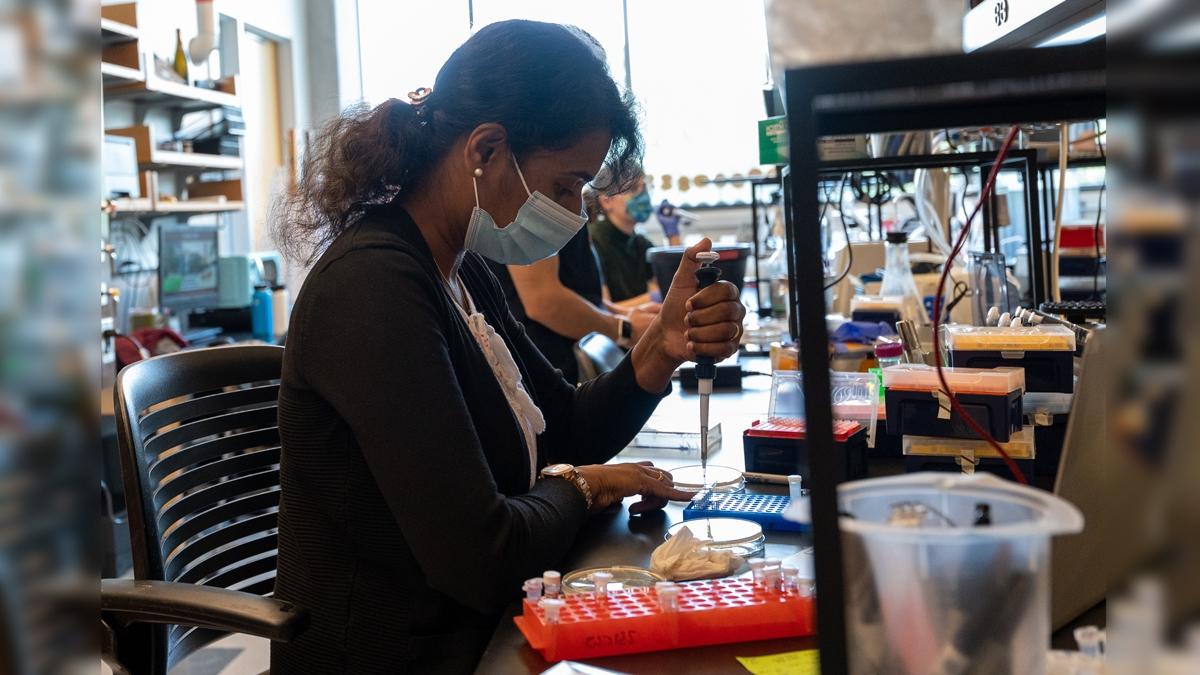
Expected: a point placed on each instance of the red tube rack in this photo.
(630, 621)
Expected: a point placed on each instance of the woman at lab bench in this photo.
(415, 415)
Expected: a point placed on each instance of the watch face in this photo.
(557, 469)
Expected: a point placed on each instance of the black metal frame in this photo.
(764, 310)
(981, 89)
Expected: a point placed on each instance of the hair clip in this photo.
(417, 98)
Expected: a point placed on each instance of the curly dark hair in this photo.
(546, 84)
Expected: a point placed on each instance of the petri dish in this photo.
(722, 479)
(741, 537)
(623, 576)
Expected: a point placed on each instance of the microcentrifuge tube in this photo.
(794, 487)
(533, 589)
(791, 579)
(552, 606)
(668, 596)
(551, 583)
(600, 581)
(756, 570)
(772, 574)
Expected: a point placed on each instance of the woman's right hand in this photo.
(610, 483)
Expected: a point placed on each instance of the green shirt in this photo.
(622, 259)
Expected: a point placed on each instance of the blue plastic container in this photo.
(262, 323)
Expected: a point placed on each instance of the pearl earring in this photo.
(478, 172)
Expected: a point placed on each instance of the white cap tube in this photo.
(551, 583)
(600, 581)
(668, 597)
(533, 589)
(552, 607)
(794, 490)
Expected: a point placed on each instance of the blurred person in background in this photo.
(613, 222)
(563, 298)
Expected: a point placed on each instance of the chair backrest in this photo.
(199, 448)
(596, 354)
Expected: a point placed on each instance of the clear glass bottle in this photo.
(776, 272)
(898, 279)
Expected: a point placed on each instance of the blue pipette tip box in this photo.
(766, 510)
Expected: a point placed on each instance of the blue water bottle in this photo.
(262, 324)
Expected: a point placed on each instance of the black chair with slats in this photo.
(200, 460)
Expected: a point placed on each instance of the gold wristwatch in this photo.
(568, 472)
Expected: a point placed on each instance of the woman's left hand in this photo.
(691, 323)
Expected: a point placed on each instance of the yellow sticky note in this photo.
(803, 662)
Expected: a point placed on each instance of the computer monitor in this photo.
(188, 268)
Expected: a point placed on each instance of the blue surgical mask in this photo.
(541, 228)
(639, 207)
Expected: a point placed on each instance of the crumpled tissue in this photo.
(684, 557)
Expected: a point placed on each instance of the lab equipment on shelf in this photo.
(1046, 352)
(889, 354)
(672, 616)
(854, 396)
(917, 405)
(779, 446)
(930, 453)
(898, 279)
(877, 308)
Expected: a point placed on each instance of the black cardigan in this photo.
(406, 520)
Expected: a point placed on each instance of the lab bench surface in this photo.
(615, 538)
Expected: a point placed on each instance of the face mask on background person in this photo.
(541, 228)
(639, 207)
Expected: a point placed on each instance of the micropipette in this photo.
(706, 370)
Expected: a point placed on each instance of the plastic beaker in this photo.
(931, 591)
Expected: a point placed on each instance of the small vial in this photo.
(1005, 319)
(552, 606)
(668, 596)
(772, 574)
(551, 583)
(993, 315)
(791, 579)
(533, 589)
(794, 490)
(756, 570)
(600, 581)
